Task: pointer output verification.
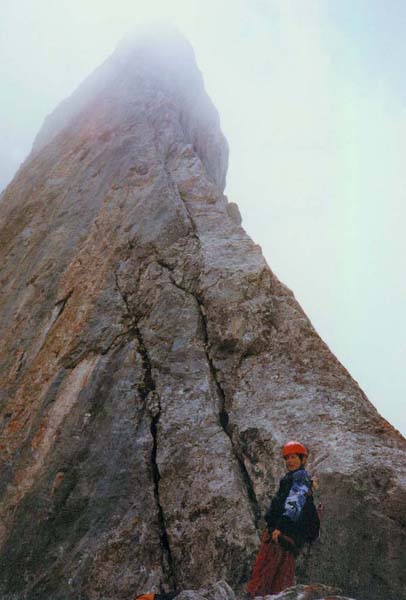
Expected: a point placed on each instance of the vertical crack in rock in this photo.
(166, 549)
(223, 414)
(146, 390)
(224, 421)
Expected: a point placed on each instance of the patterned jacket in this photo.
(287, 505)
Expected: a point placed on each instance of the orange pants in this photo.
(274, 569)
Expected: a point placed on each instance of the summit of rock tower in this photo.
(149, 71)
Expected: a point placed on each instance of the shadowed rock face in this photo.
(152, 364)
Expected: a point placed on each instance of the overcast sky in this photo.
(311, 95)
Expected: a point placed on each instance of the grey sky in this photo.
(311, 95)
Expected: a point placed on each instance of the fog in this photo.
(311, 100)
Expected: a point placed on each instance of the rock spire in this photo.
(152, 365)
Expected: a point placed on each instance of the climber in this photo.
(292, 520)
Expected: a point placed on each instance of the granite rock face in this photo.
(152, 364)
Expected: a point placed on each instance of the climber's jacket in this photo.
(292, 510)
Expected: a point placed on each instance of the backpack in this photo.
(310, 520)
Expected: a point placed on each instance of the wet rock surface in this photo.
(152, 364)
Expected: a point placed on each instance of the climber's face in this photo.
(293, 462)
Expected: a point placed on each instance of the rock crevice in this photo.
(167, 561)
(224, 421)
(146, 389)
(223, 417)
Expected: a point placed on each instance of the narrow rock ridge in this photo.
(224, 419)
(223, 416)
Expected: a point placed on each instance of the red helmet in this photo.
(294, 448)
